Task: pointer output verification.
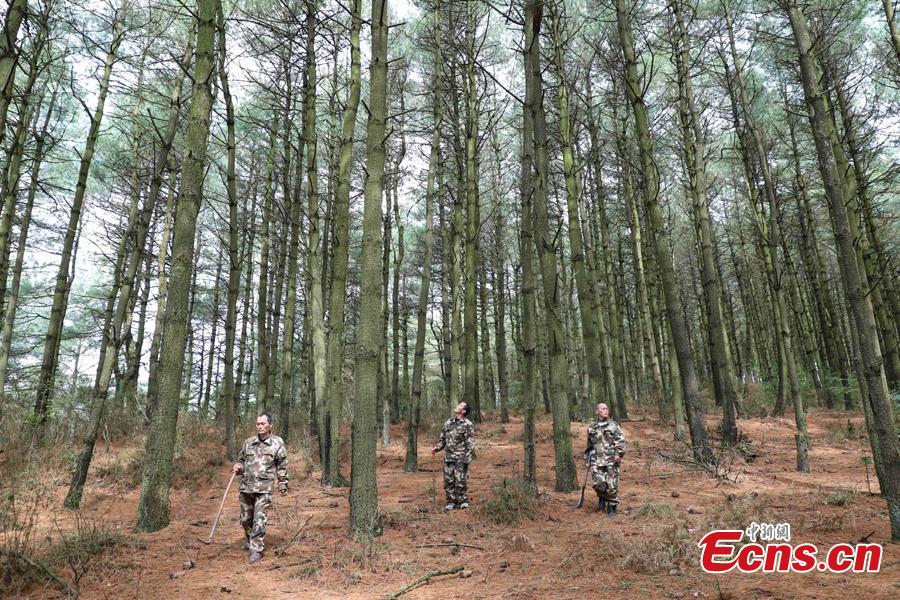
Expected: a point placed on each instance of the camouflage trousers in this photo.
(456, 481)
(253, 518)
(605, 480)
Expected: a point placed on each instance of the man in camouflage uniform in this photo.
(458, 444)
(262, 459)
(605, 449)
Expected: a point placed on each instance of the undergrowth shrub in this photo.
(511, 501)
(58, 561)
(672, 549)
(738, 512)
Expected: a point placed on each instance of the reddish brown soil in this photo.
(564, 553)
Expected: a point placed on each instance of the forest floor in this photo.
(649, 551)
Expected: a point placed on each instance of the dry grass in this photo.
(511, 501)
(672, 549)
(737, 512)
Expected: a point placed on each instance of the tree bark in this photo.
(695, 148)
(330, 414)
(229, 397)
(61, 289)
(531, 53)
(434, 157)
(566, 477)
(586, 304)
(879, 413)
(650, 191)
(153, 507)
(9, 315)
(9, 55)
(365, 521)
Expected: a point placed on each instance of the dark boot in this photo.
(255, 557)
(611, 510)
(601, 504)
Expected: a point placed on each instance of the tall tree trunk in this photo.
(893, 31)
(330, 413)
(398, 397)
(490, 392)
(204, 409)
(434, 165)
(642, 286)
(531, 53)
(9, 317)
(752, 144)
(445, 226)
(163, 253)
(229, 397)
(136, 342)
(365, 520)
(245, 346)
(695, 148)
(316, 247)
(384, 384)
(263, 306)
(885, 298)
(61, 289)
(586, 305)
(153, 508)
(820, 291)
(471, 390)
(566, 477)
(29, 108)
(650, 190)
(499, 284)
(879, 412)
(9, 55)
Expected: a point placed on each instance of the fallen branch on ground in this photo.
(450, 545)
(34, 564)
(422, 581)
(721, 464)
(670, 474)
(284, 547)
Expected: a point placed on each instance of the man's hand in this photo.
(617, 459)
(435, 450)
(238, 468)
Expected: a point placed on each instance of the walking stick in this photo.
(587, 472)
(433, 484)
(219, 514)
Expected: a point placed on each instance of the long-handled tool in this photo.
(219, 514)
(587, 472)
(433, 484)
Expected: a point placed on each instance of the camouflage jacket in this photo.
(606, 439)
(457, 440)
(263, 461)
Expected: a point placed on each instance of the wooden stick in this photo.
(221, 506)
(422, 581)
(433, 484)
(284, 547)
(450, 545)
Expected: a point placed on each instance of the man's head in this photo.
(264, 424)
(602, 412)
(462, 410)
